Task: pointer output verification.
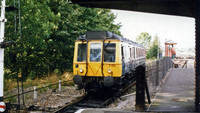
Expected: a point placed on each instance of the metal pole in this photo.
(18, 88)
(23, 90)
(158, 51)
(197, 58)
(19, 19)
(2, 22)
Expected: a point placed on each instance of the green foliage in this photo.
(48, 31)
(153, 49)
(145, 39)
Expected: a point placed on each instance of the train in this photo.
(103, 60)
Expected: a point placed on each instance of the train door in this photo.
(123, 60)
(79, 63)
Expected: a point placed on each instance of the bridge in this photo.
(188, 8)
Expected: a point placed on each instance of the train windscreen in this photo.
(109, 52)
(95, 52)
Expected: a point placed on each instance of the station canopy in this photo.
(169, 7)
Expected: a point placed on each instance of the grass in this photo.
(40, 82)
(150, 60)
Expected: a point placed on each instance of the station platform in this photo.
(177, 93)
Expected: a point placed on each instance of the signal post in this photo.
(2, 24)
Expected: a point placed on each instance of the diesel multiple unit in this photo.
(105, 60)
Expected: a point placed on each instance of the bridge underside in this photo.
(169, 7)
(188, 8)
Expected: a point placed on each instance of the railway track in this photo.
(89, 101)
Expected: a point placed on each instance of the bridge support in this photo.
(197, 58)
(140, 88)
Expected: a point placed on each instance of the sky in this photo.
(176, 28)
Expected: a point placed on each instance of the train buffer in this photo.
(180, 63)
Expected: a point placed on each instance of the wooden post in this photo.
(157, 72)
(140, 88)
(147, 91)
(163, 67)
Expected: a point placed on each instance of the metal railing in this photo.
(35, 89)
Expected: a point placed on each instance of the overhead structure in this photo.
(188, 8)
(169, 7)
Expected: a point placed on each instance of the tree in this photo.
(153, 49)
(48, 31)
(145, 39)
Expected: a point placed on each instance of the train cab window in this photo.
(81, 53)
(95, 52)
(109, 52)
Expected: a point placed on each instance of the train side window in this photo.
(122, 51)
(109, 52)
(81, 53)
(134, 52)
(139, 53)
(95, 52)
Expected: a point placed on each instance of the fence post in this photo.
(35, 92)
(157, 72)
(170, 60)
(59, 85)
(163, 68)
(166, 61)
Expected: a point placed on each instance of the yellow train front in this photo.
(105, 60)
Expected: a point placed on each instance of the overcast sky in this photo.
(178, 29)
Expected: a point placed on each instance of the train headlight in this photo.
(109, 71)
(81, 70)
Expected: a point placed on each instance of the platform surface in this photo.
(177, 93)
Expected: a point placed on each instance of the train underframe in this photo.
(97, 85)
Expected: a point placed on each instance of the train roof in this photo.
(101, 35)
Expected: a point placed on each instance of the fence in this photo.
(156, 71)
(30, 95)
